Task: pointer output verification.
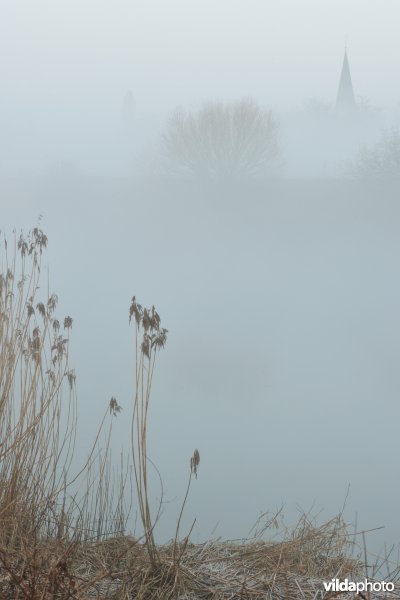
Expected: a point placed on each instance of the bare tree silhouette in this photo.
(379, 161)
(222, 141)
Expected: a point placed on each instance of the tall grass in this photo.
(65, 534)
(47, 512)
(40, 500)
(150, 338)
(37, 394)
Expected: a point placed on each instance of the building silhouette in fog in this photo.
(345, 101)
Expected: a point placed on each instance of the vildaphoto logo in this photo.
(346, 585)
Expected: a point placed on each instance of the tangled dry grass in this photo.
(64, 535)
(120, 569)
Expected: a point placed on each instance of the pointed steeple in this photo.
(345, 97)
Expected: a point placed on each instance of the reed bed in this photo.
(120, 569)
(64, 533)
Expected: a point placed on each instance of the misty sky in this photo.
(282, 51)
(66, 66)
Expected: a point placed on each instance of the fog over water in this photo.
(280, 292)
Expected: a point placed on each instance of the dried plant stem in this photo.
(149, 337)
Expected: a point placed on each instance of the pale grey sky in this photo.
(180, 51)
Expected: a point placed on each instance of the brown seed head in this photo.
(71, 378)
(160, 339)
(52, 302)
(194, 462)
(136, 311)
(114, 407)
(146, 321)
(146, 345)
(41, 308)
(67, 323)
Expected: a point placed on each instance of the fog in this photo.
(279, 289)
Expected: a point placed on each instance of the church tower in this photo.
(345, 101)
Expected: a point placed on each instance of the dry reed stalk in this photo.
(150, 337)
(64, 537)
(38, 419)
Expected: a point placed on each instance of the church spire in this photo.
(345, 97)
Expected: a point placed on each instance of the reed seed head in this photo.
(194, 462)
(146, 344)
(136, 311)
(52, 303)
(153, 335)
(114, 407)
(68, 323)
(71, 378)
(41, 308)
